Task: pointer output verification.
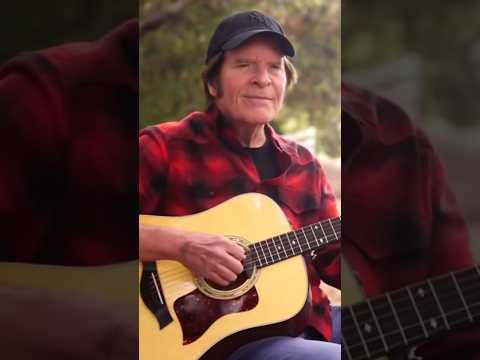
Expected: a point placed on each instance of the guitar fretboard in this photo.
(281, 247)
(407, 316)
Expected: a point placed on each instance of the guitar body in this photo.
(210, 328)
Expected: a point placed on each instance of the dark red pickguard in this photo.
(196, 311)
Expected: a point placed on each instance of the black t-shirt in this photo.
(264, 159)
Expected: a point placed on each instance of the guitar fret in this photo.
(272, 248)
(469, 283)
(254, 245)
(417, 312)
(359, 332)
(298, 241)
(264, 256)
(351, 336)
(333, 229)
(461, 297)
(281, 243)
(344, 346)
(444, 317)
(314, 235)
(397, 319)
(450, 300)
(407, 315)
(377, 324)
(390, 328)
(271, 255)
(308, 242)
(369, 331)
(428, 308)
(324, 235)
(269, 251)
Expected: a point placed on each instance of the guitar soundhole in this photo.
(241, 279)
(196, 312)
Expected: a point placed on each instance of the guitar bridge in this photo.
(152, 294)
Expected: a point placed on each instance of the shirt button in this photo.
(211, 193)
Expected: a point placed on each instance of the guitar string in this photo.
(468, 285)
(167, 275)
(383, 314)
(302, 246)
(330, 237)
(425, 285)
(474, 309)
(171, 275)
(269, 259)
(472, 289)
(367, 340)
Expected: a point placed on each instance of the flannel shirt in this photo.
(196, 163)
(68, 152)
(401, 223)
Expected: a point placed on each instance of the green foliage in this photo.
(444, 35)
(172, 59)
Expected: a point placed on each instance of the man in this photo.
(68, 141)
(402, 224)
(230, 149)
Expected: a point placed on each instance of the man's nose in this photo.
(262, 77)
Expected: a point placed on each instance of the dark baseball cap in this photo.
(234, 30)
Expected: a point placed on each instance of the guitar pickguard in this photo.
(196, 312)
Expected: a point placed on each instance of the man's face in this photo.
(253, 82)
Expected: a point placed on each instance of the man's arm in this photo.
(211, 256)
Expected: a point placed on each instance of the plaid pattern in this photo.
(194, 164)
(68, 152)
(401, 222)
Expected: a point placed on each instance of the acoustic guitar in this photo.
(409, 316)
(184, 317)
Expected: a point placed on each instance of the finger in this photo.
(236, 251)
(217, 279)
(232, 264)
(225, 273)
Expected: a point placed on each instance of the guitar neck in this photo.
(408, 316)
(293, 243)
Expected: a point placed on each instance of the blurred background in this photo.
(29, 25)
(425, 56)
(173, 42)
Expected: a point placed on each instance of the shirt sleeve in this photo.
(153, 170)
(327, 260)
(29, 166)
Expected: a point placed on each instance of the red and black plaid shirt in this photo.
(196, 163)
(401, 222)
(68, 152)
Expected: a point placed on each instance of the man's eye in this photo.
(242, 65)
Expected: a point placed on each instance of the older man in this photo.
(208, 157)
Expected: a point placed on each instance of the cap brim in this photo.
(285, 45)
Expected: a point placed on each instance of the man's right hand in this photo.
(213, 257)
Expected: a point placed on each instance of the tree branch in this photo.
(161, 16)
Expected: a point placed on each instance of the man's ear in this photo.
(212, 90)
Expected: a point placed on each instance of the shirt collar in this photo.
(228, 134)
